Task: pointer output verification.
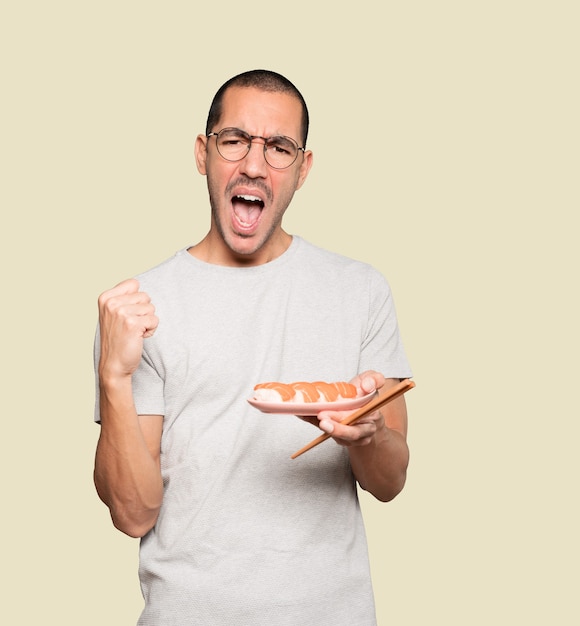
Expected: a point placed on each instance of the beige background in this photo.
(446, 141)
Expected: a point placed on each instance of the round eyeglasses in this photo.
(234, 144)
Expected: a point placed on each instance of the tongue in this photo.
(247, 212)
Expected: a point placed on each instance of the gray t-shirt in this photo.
(246, 536)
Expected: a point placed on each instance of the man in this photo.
(234, 532)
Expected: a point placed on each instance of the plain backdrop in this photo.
(446, 141)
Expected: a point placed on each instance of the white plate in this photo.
(311, 408)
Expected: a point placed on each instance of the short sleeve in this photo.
(382, 348)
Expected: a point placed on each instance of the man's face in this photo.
(248, 197)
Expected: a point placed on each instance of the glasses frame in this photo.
(251, 138)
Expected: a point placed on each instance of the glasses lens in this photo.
(281, 152)
(233, 144)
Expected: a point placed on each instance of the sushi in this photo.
(318, 391)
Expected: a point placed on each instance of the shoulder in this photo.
(321, 260)
(159, 275)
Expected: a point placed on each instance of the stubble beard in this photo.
(227, 236)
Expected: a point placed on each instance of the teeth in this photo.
(250, 198)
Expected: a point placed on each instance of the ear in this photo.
(201, 154)
(304, 168)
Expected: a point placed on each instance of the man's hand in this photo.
(362, 431)
(126, 317)
(377, 445)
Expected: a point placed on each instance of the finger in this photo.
(130, 285)
(129, 303)
(327, 425)
(372, 381)
(368, 384)
(126, 291)
(353, 434)
(368, 381)
(134, 306)
(151, 324)
(130, 319)
(139, 323)
(348, 432)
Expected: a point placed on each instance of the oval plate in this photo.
(311, 408)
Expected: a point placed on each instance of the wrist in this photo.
(113, 380)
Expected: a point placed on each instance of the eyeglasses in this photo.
(234, 144)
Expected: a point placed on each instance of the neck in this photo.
(212, 249)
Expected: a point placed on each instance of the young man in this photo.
(233, 530)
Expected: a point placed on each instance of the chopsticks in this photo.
(373, 405)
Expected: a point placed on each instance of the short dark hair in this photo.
(266, 80)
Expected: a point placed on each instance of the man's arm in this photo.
(127, 468)
(377, 444)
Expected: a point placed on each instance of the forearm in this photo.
(381, 466)
(127, 472)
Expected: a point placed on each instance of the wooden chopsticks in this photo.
(373, 405)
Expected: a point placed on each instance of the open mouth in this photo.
(247, 210)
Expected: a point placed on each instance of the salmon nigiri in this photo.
(345, 390)
(274, 392)
(304, 391)
(307, 392)
(328, 391)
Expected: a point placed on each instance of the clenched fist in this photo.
(126, 317)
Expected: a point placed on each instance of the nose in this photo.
(254, 163)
